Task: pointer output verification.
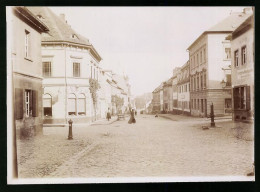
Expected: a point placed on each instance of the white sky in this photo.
(145, 43)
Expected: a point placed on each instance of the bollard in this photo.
(70, 130)
(212, 124)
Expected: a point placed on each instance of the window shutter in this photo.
(236, 97)
(18, 103)
(34, 103)
(247, 97)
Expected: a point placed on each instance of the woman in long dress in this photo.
(108, 114)
(132, 117)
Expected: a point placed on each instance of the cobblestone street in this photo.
(151, 147)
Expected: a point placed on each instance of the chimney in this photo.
(62, 16)
(248, 10)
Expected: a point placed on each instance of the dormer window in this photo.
(40, 17)
(73, 36)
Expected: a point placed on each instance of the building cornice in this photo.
(206, 33)
(91, 49)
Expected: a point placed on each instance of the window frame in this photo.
(78, 74)
(236, 58)
(43, 68)
(27, 44)
(50, 98)
(243, 55)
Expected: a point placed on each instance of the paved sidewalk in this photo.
(98, 122)
(105, 121)
(191, 118)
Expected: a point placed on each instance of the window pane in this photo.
(72, 106)
(76, 69)
(46, 102)
(81, 106)
(46, 69)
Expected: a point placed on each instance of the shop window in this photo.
(81, 104)
(47, 105)
(242, 98)
(72, 104)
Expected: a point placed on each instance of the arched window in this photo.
(72, 104)
(81, 104)
(47, 106)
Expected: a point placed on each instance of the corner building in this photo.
(210, 68)
(69, 60)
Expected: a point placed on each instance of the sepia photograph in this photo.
(130, 94)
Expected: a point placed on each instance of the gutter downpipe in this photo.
(66, 85)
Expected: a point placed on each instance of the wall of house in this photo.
(27, 75)
(62, 58)
(161, 99)
(243, 75)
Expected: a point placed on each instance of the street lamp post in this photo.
(212, 124)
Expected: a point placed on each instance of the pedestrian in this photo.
(135, 112)
(108, 114)
(132, 117)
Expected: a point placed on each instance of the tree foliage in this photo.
(93, 88)
(118, 101)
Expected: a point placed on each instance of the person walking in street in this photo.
(108, 114)
(132, 117)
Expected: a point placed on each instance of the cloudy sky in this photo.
(145, 43)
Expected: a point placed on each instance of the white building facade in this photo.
(69, 61)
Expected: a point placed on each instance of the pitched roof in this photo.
(247, 24)
(59, 29)
(228, 25)
(31, 18)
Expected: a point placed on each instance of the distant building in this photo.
(156, 108)
(124, 87)
(167, 95)
(27, 70)
(161, 98)
(183, 84)
(105, 92)
(176, 71)
(69, 61)
(210, 71)
(243, 53)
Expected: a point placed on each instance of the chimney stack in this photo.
(62, 16)
(248, 10)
